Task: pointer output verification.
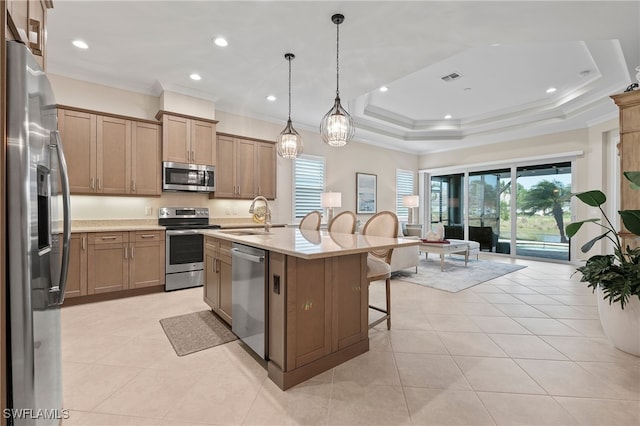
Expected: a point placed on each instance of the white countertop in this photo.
(309, 244)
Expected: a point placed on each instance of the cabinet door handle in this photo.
(132, 252)
(99, 185)
(147, 236)
(92, 184)
(259, 191)
(133, 185)
(125, 252)
(109, 238)
(84, 244)
(217, 265)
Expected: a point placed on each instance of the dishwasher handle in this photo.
(246, 256)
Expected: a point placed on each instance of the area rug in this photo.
(456, 276)
(194, 332)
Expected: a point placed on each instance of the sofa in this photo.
(405, 257)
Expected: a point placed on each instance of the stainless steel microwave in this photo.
(188, 177)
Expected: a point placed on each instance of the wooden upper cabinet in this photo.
(145, 159)
(110, 155)
(78, 134)
(266, 161)
(188, 139)
(113, 146)
(246, 168)
(27, 22)
(226, 169)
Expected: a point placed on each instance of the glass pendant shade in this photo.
(336, 127)
(289, 143)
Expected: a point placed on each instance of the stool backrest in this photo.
(383, 224)
(311, 221)
(344, 222)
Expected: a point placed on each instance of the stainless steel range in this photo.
(184, 245)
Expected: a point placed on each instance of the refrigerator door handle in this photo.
(66, 218)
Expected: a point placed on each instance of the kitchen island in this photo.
(317, 296)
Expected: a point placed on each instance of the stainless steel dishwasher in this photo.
(248, 274)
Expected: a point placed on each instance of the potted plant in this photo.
(615, 277)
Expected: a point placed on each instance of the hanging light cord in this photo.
(337, 60)
(289, 88)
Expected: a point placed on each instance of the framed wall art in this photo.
(366, 193)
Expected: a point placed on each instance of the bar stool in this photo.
(383, 224)
(344, 222)
(311, 221)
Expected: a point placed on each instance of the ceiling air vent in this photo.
(451, 77)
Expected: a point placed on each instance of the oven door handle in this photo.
(183, 231)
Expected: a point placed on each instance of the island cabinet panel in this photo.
(77, 274)
(350, 301)
(276, 292)
(318, 313)
(217, 277)
(308, 311)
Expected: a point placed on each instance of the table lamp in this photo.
(329, 200)
(411, 201)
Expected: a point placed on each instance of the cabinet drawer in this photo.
(147, 236)
(108, 237)
(211, 244)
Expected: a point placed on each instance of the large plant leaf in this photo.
(574, 227)
(585, 248)
(593, 198)
(631, 220)
(634, 178)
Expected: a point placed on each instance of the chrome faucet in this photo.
(267, 215)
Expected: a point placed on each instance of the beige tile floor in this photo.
(525, 348)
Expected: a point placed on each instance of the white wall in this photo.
(341, 163)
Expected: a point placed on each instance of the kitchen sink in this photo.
(241, 232)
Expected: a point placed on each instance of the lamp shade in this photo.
(331, 199)
(411, 201)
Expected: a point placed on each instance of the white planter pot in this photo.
(622, 326)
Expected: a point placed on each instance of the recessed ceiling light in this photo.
(551, 89)
(384, 88)
(466, 89)
(495, 44)
(447, 117)
(80, 44)
(195, 77)
(220, 41)
(271, 98)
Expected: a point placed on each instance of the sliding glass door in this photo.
(517, 210)
(486, 215)
(543, 210)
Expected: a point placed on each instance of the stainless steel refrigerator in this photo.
(38, 230)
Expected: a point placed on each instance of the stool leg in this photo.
(388, 285)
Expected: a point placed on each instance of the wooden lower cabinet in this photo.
(318, 315)
(77, 274)
(103, 262)
(217, 277)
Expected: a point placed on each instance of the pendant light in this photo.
(336, 127)
(289, 142)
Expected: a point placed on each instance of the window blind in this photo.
(308, 182)
(404, 186)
